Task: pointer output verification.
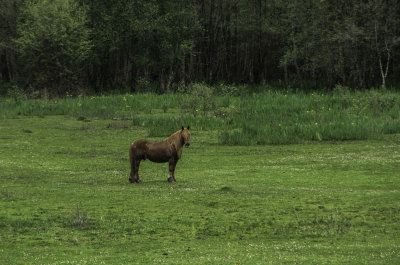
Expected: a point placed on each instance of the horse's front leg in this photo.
(171, 170)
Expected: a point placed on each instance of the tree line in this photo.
(51, 47)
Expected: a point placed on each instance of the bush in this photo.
(16, 93)
(144, 85)
(200, 98)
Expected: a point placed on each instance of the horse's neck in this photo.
(175, 138)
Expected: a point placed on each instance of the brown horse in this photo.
(169, 150)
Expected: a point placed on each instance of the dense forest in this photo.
(54, 47)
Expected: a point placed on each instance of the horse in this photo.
(169, 150)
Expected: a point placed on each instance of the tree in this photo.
(385, 22)
(8, 22)
(53, 44)
(125, 44)
(176, 28)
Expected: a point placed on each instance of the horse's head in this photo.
(186, 136)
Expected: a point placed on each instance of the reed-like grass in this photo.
(165, 125)
(103, 107)
(270, 117)
(281, 118)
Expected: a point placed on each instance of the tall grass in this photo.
(103, 107)
(271, 117)
(281, 118)
(166, 125)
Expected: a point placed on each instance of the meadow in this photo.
(329, 195)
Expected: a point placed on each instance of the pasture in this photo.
(65, 197)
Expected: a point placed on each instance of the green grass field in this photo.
(65, 198)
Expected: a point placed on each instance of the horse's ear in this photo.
(188, 127)
(183, 128)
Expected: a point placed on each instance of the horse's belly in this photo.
(158, 159)
(158, 155)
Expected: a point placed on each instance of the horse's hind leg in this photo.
(134, 176)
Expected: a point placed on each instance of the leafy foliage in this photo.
(54, 45)
(159, 46)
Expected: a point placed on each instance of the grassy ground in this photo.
(65, 198)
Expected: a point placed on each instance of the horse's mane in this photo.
(175, 139)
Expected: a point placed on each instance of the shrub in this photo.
(200, 98)
(16, 93)
(144, 85)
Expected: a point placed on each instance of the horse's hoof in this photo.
(135, 180)
(171, 179)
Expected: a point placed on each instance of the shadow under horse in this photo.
(169, 150)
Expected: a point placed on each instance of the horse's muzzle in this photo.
(187, 145)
